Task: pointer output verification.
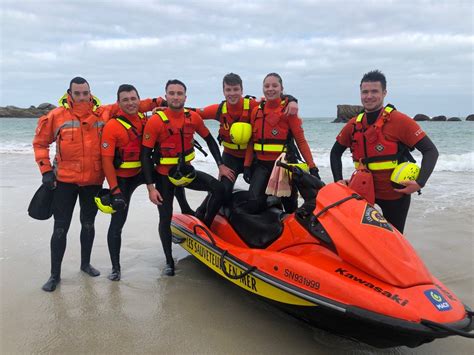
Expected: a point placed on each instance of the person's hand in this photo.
(118, 202)
(315, 172)
(227, 172)
(247, 174)
(291, 108)
(343, 182)
(49, 180)
(154, 195)
(410, 187)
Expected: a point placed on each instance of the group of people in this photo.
(120, 143)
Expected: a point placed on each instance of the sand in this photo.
(194, 312)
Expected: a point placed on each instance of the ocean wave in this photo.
(463, 162)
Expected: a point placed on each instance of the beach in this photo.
(194, 312)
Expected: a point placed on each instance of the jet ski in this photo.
(335, 263)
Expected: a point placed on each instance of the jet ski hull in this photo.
(307, 303)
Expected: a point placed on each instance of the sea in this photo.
(450, 186)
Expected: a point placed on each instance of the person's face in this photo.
(272, 88)
(80, 92)
(175, 96)
(232, 93)
(129, 102)
(372, 95)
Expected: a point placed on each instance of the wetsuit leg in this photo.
(114, 235)
(87, 217)
(64, 200)
(166, 189)
(237, 165)
(180, 194)
(205, 182)
(290, 203)
(396, 211)
(258, 184)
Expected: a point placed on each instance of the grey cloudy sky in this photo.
(321, 49)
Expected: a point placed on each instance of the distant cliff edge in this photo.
(32, 111)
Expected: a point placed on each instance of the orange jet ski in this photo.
(335, 263)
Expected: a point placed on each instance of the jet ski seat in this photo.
(256, 230)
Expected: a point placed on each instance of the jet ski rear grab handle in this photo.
(223, 256)
(439, 326)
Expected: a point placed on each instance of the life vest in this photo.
(370, 145)
(226, 122)
(128, 156)
(270, 131)
(179, 143)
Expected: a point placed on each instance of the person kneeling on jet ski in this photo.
(169, 138)
(273, 133)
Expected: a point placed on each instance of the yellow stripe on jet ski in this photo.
(249, 282)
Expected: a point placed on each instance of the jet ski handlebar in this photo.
(301, 177)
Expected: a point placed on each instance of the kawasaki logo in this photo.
(393, 296)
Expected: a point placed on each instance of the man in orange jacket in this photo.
(76, 127)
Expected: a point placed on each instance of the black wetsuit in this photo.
(127, 186)
(257, 202)
(65, 197)
(202, 182)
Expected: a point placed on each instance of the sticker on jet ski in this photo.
(438, 300)
(374, 218)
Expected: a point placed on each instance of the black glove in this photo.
(118, 202)
(49, 180)
(315, 172)
(247, 174)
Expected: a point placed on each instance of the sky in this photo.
(320, 48)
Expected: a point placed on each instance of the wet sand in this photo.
(194, 312)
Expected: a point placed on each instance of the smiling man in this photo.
(381, 137)
(170, 135)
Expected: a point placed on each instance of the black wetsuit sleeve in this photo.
(336, 160)
(147, 164)
(214, 149)
(428, 162)
(290, 98)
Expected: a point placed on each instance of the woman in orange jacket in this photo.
(273, 132)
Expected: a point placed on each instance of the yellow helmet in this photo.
(182, 175)
(404, 172)
(240, 133)
(103, 201)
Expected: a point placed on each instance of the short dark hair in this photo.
(374, 76)
(78, 80)
(276, 76)
(175, 82)
(232, 79)
(126, 88)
